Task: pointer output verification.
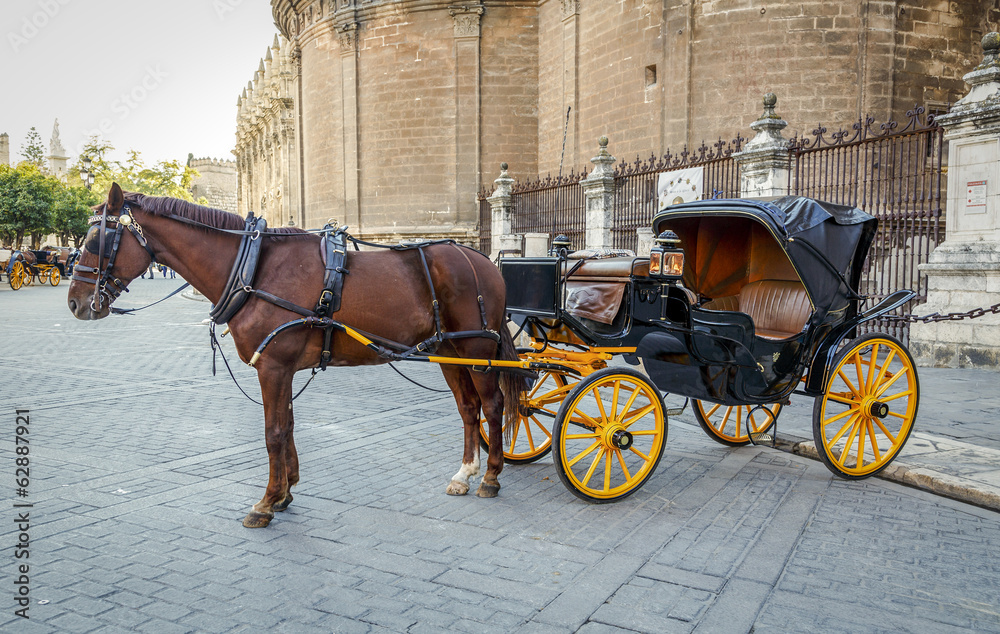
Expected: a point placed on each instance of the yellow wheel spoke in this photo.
(584, 419)
(725, 421)
(874, 441)
(861, 441)
(638, 414)
(579, 436)
(621, 461)
(846, 412)
(895, 396)
(712, 411)
(883, 388)
(639, 453)
(600, 404)
(542, 428)
(614, 401)
(871, 369)
(584, 453)
(848, 424)
(628, 404)
(607, 471)
(848, 383)
(593, 466)
(840, 398)
(856, 359)
(645, 432)
(885, 431)
(847, 445)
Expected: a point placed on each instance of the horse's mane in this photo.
(166, 206)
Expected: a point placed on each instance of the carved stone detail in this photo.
(467, 19)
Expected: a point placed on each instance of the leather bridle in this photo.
(107, 285)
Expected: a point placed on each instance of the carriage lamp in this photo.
(666, 258)
(560, 246)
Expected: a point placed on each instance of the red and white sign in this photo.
(975, 195)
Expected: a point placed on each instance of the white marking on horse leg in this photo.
(459, 484)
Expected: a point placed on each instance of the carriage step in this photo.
(762, 439)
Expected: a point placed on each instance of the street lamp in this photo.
(87, 173)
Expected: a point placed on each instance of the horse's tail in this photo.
(511, 384)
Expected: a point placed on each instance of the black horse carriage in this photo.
(741, 304)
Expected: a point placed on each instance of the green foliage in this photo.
(35, 204)
(32, 149)
(165, 178)
(26, 199)
(70, 212)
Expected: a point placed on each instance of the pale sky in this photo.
(161, 77)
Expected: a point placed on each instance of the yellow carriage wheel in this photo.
(609, 435)
(727, 423)
(16, 277)
(866, 413)
(54, 277)
(531, 437)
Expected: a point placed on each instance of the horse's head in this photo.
(114, 254)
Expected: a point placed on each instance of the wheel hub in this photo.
(877, 409)
(618, 438)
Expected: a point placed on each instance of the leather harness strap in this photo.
(239, 287)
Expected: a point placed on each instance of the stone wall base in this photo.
(954, 355)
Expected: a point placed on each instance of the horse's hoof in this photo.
(257, 520)
(282, 505)
(457, 488)
(488, 490)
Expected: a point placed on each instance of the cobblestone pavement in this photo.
(142, 465)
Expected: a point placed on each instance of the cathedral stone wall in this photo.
(217, 182)
(405, 108)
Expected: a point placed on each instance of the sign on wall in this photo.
(679, 186)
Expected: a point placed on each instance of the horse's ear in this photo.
(115, 198)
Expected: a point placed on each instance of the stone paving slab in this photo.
(143, 466)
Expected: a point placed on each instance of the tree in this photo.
(165, 178)
(70, 212)
(32, 149)
(26, 197)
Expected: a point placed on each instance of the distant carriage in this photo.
(24, 267)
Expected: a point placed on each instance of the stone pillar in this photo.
(536, 245)
(765, 160)
(599, 193)
(645, 243)
(502, 213)
(4, 149)
(347, 31)
(467, 111)
(963, 272)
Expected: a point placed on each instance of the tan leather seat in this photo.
(779, 308)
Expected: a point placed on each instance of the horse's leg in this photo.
(468, 408)
(291, 464)
(487, 385)
(276, 389)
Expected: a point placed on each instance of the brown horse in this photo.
(386, 293)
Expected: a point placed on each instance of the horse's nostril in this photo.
(72, 305)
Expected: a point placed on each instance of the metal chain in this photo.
(972, 314)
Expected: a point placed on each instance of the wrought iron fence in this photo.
(551, 205)
(895, 175)
(485, 226)
(636, 198)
